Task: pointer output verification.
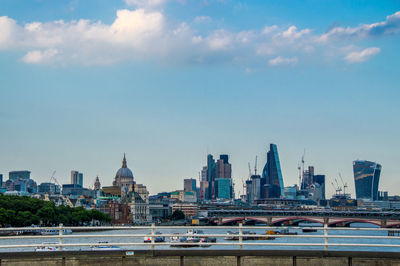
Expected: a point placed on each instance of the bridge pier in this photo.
(326, 221)
(383, 223)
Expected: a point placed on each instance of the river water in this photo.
(110, 239)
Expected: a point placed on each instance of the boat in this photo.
(157, 239)
(309, 230)
(191, 238)
(48, 246)
(235, 236)
(104, 245)
(55, 231)
(285, 232)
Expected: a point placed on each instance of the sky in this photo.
(168, 81)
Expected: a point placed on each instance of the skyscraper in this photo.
(76, 178)
(366, 179)
(320, 179)
(189, 185)
(220, 169)
(211, 166)
(271, 182)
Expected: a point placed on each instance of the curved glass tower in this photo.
(366, 179)
(272, 180)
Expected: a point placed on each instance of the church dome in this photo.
(124, 172)
(124, 175)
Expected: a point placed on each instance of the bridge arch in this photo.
(297, 219)
(347, 222)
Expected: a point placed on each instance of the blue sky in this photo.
(82, 82)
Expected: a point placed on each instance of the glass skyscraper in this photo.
(271, 182)
(366, 179)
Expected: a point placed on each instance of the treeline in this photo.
(18, 211)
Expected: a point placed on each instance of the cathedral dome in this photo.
(124, 175)
(124, 172)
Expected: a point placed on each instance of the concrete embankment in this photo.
(200, 258)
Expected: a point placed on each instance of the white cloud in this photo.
(269, 29)
(202, 19)
(390, 26)
(293, 34)
(278, 61)
(148, 34)
(37, 57)
(146, 3)
(361, 56)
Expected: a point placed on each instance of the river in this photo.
(277, 240)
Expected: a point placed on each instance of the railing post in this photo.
(240, 235)
(60, 234)
(152, 235)
(326, 236)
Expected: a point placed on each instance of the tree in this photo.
(178, 215)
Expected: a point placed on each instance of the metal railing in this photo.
(239, 242)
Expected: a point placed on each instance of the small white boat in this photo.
(104, 245)
(55, 231)
(48, 246)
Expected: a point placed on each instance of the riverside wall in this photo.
(182, 257)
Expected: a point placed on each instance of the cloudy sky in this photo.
(168, 81)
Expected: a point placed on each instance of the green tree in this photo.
(178, 215)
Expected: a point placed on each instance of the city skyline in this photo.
(208, 77)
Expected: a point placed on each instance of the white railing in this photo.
(239, 243)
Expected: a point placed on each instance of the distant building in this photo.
(223, 188)
(189, 185)
(220, 169)
(320, 179)
(124, 176)
(366, 179)
(271, 183)
(76, 178)
(49, 188)
(291, 192)
(190, 210)
(97, 185)
(1, 180)
(308, 178)
(15, 175)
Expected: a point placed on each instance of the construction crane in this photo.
(344, 184)
(338, 187)
(299, 168)
(255, 167)
(65, 199)
(249, 171)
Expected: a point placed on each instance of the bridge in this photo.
(329, 246)
(294, 217)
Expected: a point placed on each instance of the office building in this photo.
(1, 180)
(271, 182)
(308, 178)
(320, 179)
(189, 185)
(214, 169)
(76, 178)
(15, 175)
(48, 188)
(366, 179)
(223, 188)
